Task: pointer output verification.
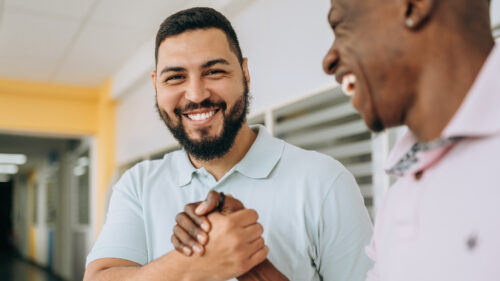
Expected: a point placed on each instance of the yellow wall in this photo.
(66, 110)
(37, 107)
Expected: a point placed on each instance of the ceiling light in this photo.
(18, 159)
(8, 169)
(83, 161)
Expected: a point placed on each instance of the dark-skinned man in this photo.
(202, 93)
(433, 66)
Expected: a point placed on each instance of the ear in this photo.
(153, 78)
(417, 12)
(244, 66)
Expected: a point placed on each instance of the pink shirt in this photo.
(441, 219)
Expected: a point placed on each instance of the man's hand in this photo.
(191, 232)
(193, 223)
(235, 246)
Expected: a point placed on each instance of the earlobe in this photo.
(417, 12)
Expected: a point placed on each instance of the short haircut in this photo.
(197, 18)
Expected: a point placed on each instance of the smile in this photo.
(201, 116)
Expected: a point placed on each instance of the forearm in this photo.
(172, 266)
(265, 271)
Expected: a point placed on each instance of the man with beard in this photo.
(431, 65)
(311, 217)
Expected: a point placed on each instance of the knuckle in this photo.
(253, 214)
(192, 229)
(179, 217)
(261, 243)
(260, 229)
(176, 230)
(189, 208)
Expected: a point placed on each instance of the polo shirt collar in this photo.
(479, 113)
(184, 168)
(477, 116)
(258, 163)
(264, 154)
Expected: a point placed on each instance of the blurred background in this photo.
(77, 110)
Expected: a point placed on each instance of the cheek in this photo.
(228, 92)
(167, 100)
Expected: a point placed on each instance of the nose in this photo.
(196, 91)
(331, 61)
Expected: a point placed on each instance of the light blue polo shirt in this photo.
(315, 223)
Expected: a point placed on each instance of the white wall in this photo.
(285, 42)
(139, 130)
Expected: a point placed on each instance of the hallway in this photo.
(12, 268)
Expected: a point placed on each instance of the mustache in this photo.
(204, 104)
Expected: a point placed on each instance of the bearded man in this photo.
(312, 221)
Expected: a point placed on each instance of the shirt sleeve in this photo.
(123, 235)
(345, 229)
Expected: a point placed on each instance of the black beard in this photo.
(209, 148)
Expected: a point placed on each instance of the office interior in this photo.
(77, 110)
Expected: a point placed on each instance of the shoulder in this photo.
(145, 173)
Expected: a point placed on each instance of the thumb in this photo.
(209, 204)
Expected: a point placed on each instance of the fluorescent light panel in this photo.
(8, 169)
(17, 159)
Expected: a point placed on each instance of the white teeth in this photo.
(201, 116)
(349, 84)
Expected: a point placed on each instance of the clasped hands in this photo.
(229, 241)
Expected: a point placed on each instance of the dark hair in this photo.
(197, 18)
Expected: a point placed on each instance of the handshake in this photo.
(228, 236)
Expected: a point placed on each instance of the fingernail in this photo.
(200, 208)
(204, 226)
(186, 251)
(201, 238)
(197, 249)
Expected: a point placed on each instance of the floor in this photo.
(12, 268)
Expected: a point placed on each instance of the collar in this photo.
(258, 162)
(477, 116)
(265, 153)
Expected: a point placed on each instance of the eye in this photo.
(174, 78)
(215, 73)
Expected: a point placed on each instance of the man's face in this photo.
(201, 91)
(368, 58)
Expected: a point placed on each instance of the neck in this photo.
(220, 166)
(444, 82)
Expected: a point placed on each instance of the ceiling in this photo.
(83, 42)
(77, 42)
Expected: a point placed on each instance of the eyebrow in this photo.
(172, 69)
(214, 62)
(205, 65)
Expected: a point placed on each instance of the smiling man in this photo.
(431, 65)
(202, 93)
